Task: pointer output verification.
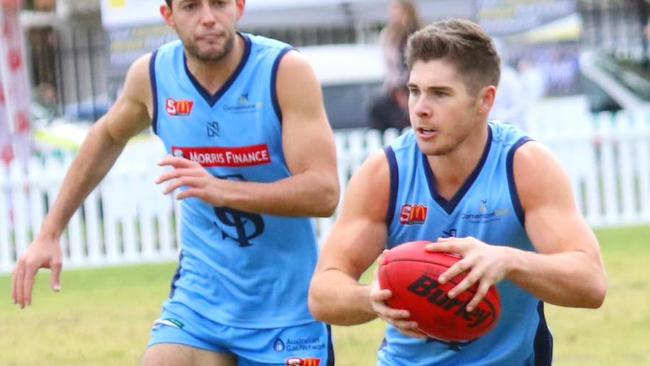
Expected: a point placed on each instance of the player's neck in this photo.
(453, 169)
(213, 75)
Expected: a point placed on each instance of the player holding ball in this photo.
(480, 190)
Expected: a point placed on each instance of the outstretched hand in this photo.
(41, 254)
(484, 264)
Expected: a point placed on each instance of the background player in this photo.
(252, 148)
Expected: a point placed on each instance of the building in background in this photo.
(15, 126)
(338, 36)
(616, 58)
(80, 49)
(69, 57)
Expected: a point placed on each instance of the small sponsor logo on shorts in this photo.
(279, 346)
(304, 344)
(170, 322)
(303, 362)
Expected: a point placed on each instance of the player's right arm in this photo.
(355, 242)
(129, 115)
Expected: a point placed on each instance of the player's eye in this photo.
(188, 6)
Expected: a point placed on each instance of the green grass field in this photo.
(103, 316)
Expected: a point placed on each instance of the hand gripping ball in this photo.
(411, 273)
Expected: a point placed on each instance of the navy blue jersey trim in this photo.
(154, 91)
(212, 99)
(177, 275)
(394, 183)
(330, 348)
(514, 197)
(543, 340)
(274, 81)
(450, 205)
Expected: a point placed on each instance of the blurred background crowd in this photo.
(76, 53)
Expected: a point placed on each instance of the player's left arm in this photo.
(309, 151)
(566, 269)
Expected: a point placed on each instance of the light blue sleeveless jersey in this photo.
(487, 208)
(238, 269)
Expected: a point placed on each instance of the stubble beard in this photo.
(211, 57)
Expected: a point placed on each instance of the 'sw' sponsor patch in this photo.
(303, 362)
(179, 107)
(413, 214)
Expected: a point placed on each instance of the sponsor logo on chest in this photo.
(485, 214)
(234, 157)
(179, 108)
(243, 104)
(413, 214)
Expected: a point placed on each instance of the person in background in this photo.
(390, 108)
(510, 104)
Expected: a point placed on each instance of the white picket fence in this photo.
(128, 220)
(125, 220)
(607, 157)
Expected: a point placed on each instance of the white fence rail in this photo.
(128, 220)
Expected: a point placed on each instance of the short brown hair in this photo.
(462, 43)
(169, 3)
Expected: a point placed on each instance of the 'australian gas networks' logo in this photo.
(485, 214)
(244, 105)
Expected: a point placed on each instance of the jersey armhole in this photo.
(274, 81)
(154, 91)
(514, 195)
(394, 183)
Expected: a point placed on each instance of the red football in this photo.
(411, 273)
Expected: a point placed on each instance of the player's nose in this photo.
(420, 108)
(207, 16)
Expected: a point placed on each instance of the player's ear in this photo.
(166, 13)
(241, 5)
(486, 98)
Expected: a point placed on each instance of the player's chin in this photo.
(211, 55)
(430, 149)
(210, 52)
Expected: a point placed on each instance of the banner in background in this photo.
(134, 28)
(118, 13)
(6, 151)
(16, 95)
(507, 17)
